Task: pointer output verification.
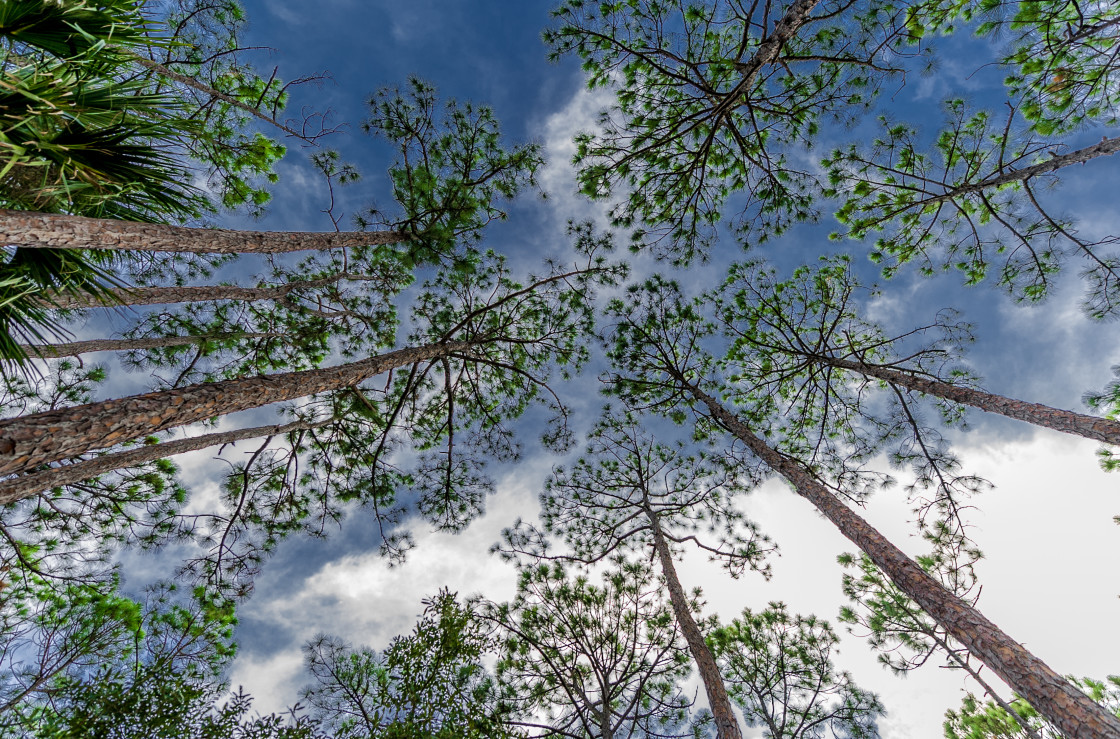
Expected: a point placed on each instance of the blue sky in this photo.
(1050, 577)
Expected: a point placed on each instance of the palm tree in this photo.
(77, 137)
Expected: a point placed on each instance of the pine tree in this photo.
(712, 98)
(603, 662)
(428, 684)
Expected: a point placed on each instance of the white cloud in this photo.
(558, 178)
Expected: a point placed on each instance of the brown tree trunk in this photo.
(1069, 422)
(727, 726)
(55, 231)
(25, 486)
(1073, 712)
(43, 438)
(74, 348)
(195, 293)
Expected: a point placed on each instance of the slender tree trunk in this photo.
(56, 231)
(74, 348)
(25, 486)
(1073, 712)
(43, 438)
(1069, 422)
(1104, 147)
(727, 726)
(195, 293)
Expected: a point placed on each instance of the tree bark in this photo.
(25, 486)
(74, 348)
(195, 293)
(54, 231)
(727, 726)
(1068, 422)
(1074, 713)
(43, 438)
(795, 17)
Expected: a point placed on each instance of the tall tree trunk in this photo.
(196, 293)
(1073, 712)
(74, 348)
(43, 438)
(727, 726)
(1069, 422)
(25, 486)
(55, 231)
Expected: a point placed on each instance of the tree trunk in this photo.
(55, 231)
(1073, 712)
(1069, 422)
(195, 293)
(74, 348)
(727, 726)
(43, 438)
(25, 486)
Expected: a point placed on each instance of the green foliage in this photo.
(779, 371)
(960, 205)
(1062, 54)
(72, 532)
(415, 443)
(62, 645)
(154, 704)
(778, 669)
(987, 720)
(1107, 403)
(451, 168)
(582, 660)
(430, 684)
(773, 369)
(698, 117)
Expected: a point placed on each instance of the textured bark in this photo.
(74, 348)
(1068, 422)
(1073, 712)
(55, 231)
(727, 726)
(195, 293)
(43, 438)
(25, 486)
(785, 29)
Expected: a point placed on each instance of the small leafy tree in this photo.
(778, 669)
(580, 660)
(989, 720)
(428, 684)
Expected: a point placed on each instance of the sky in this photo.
(1052, 550)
